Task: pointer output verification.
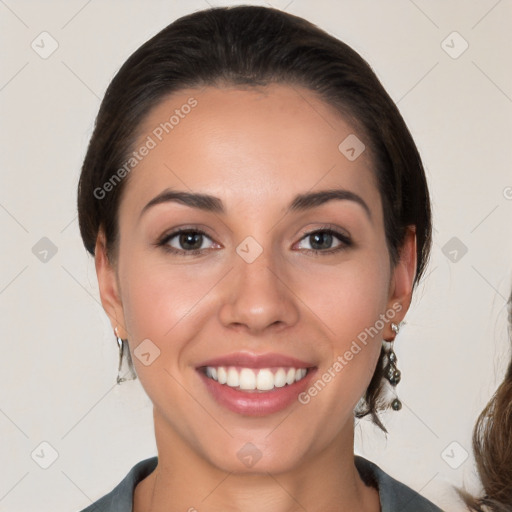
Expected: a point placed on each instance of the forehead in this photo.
(254, 143)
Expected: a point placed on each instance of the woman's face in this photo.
(242, 296)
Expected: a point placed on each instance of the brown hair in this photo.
(492, 447)
(250, 45)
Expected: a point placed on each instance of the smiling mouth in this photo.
(254, 380)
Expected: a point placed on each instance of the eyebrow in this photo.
(213, 204)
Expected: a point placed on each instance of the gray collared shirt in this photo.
(394, 496)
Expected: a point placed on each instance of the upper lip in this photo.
(251, 360)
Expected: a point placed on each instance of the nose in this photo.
(258, 297)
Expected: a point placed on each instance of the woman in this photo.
(492, 446)
(259, 217)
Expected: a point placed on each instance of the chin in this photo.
(246, 457)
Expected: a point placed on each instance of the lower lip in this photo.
(257, 403)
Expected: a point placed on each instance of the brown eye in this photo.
(185, 241)
(190, 240)
(322, 240)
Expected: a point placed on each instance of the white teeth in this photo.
(280, 378)
(233, 378)
(249, 379)
(265, 380)
(299, 374)
(222, 375)
(211, 372)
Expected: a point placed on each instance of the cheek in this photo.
(349, 297)
(157, 296)
(350, 302)
(160, 303)
(166, 304)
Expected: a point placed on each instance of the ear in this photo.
(109, 286)
(402, 276)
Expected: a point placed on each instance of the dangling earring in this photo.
(125, 370)
(392, 374)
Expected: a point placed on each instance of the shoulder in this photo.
(394, 495)
(120, 499)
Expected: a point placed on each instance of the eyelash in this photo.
(346, 242)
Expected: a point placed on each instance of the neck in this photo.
(184, 481)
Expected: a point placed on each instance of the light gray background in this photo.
(58, 354)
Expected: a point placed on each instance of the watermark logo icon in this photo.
(454, 249)
(249, 249)
(454, 455)
(249, 454)
(146, 352)
(351, 147)
(44, 250)
(44, 455)
(454, 45)
(44, 45)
